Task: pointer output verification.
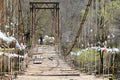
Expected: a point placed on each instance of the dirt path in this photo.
(52, 68)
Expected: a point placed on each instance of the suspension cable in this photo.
(81, 26)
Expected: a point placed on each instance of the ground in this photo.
(53, 67)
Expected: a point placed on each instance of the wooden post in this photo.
(31, 26)
(1, 12)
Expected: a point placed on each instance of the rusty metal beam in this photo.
(45, 8)
(44, 2)
(49, 6)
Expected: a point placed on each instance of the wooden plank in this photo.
(72, 74)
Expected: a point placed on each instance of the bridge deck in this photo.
(52, 67)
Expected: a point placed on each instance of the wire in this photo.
(81, 26)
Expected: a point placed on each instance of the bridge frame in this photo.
(34, 7)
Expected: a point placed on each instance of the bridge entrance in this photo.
(35, 7)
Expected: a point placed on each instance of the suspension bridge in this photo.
(30, 53)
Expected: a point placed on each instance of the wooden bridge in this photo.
(52, 67)
(57, 60)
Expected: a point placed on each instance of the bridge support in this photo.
(54, 7)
